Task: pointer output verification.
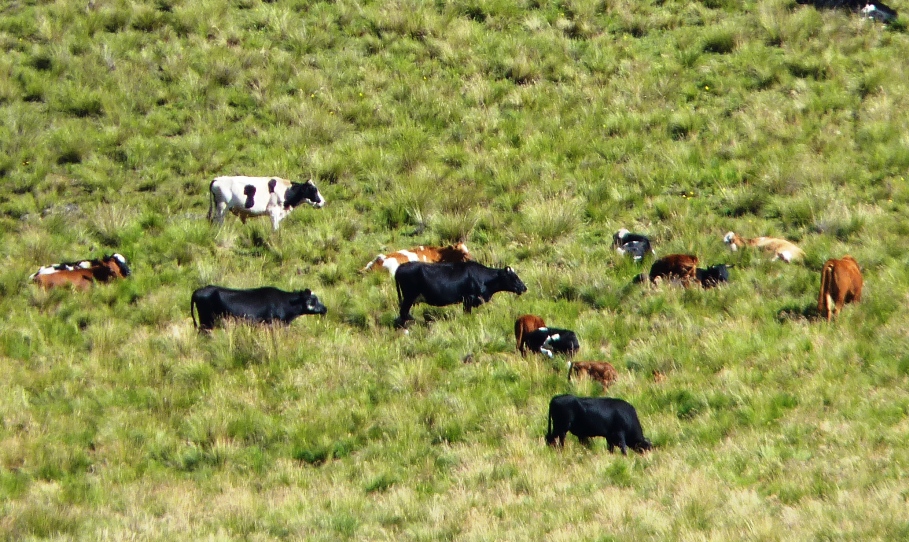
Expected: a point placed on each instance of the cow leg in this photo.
(220, 211)
(622, 444)
(404, 313)
(584, 441)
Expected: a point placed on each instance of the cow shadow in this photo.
(795, 312)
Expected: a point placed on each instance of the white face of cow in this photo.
(729, 239)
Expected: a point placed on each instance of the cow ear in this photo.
(509, 269)
(306, 292)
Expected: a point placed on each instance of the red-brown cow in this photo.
(841, 283)
(80, 276)
(523, 326)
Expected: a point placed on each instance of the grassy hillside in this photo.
(533, 130)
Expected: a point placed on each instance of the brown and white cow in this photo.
(524, 326)
(81, 277)
(675, 268)
(780, 248)
(256, 196)
(601, 371)
(457, 252)
(841, 283)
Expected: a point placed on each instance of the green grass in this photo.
(532, 131)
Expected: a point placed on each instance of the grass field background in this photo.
(532, 130)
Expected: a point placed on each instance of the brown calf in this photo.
(841, 283)
(675, 267)
(523, 326)
(452, 253)
(601, 371)
(103, 270)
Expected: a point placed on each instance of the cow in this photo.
(714, 275)
(82, 274)
(551, 340)
(440, 284)
(256, 196)
(260, 305)
(625, 242)
(872, 10)
(115, 262)
(587, 417)
(780, 248)
(601, 371)
(523, 326)
(457, 252)
(841, 283)
(675, 268)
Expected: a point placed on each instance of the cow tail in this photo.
(192, 312)
(823, 301)
(398, 288)
(518, 334)
(211, 200)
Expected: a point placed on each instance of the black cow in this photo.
(264, 304)
(588, 417)
(440, 284)
(713, 275)
(552, 340)
(635, 244)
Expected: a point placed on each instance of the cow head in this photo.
(619, 235)
(643, 446)
(511, 282)
(303, 193)
(117, 265)
(310, 303)
(733, 240)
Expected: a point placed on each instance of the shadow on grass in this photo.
(793, 312)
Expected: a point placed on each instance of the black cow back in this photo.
(587, 417)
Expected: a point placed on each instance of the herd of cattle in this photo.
(441, 276)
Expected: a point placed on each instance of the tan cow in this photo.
(452, 253)
(841, 283)
(601, 371)
(780, 248)
(523, 326)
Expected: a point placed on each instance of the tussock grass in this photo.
(530, 131)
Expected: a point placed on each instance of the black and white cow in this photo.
(713, 275)
(440, 284)
(116, 262)
(552, 340)
(587, 417)
(871, 9)
(256, 196)
(264, 304)
(635, 244)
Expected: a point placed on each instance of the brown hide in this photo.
(601, 371)
(523, 326)
(681, 267)
(841, 283)
(77, 278)
(451, 253)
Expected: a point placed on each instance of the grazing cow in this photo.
(264, 304)
(872, 10)
(841, 283)
(675, 267)
(780, 248)
(601, 371)
(452, 253)
(82, 274)
(587, 417)
(551, 340)
(255, 196)
(713, 275)
(523, 326)
(635, 244)
(440, 284)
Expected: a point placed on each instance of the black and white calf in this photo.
(587, 417)
(116, 262)
(440, 284)
(264, 304)
(552, 340)
(634, 244)
(256, 196)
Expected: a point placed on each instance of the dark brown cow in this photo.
(601, 371)
(841, 283)
(523, 326)
(675, 267)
